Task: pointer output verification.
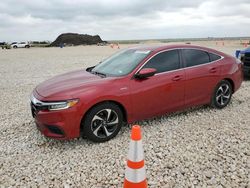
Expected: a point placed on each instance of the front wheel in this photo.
(102, 122)
(222, 94)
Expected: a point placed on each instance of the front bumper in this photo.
(61, 124)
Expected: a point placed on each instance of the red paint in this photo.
(141, 98)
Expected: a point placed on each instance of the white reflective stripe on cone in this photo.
(135, 175)
(135, 153)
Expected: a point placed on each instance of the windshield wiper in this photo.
(98, 73)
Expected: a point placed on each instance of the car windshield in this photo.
(121, 63)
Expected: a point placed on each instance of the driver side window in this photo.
(164, 61)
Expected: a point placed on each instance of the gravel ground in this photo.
(198, 147)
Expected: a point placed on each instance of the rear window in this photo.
(195, 57)
(214, 57)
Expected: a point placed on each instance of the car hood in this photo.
(66, 85)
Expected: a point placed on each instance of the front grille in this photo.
(33, 110)
(36, 108)
(246, 59)
(247, 54)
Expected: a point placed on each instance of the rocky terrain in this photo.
(198, 147)
(76, 39)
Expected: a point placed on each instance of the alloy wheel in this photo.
(223, 94)
(104, 123)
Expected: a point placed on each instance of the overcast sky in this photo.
(22, 20)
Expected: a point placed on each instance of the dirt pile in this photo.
(76, 39)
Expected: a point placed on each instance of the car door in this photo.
(21, 45)
(202, 75)
(162, 92)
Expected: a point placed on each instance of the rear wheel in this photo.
(222, 94)
(102, 122)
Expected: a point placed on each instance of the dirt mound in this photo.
(76, 39)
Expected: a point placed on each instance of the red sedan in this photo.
(133, 84)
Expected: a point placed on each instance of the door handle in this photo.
(213, 70)
(177, 78)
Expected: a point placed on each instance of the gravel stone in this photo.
(197, 147)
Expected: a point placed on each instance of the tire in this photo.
(27, 46)
(14, 46)
(222, 94)
(102, 122)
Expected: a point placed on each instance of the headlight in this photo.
(62, 105)
(53, 105)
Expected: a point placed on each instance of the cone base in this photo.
(128, 184)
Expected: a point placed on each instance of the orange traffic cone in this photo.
(135, 173)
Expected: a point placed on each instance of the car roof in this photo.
(158, 48)
(169, 46)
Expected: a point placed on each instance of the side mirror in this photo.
(89, 68)
(145, 73)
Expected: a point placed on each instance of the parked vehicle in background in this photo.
(244, 56)
(4, 45)
(134, 84)
(39, 43)
(20, 45)
(104, 43)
